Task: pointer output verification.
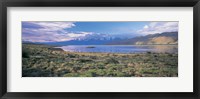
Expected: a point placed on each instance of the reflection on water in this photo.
(122, 48)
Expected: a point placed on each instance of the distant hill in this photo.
(159, 38)
(82, 42)
(89, 40)
(99, 39)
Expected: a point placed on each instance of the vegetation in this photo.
(90, 47)
(47, 61)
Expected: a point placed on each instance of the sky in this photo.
(52, 31)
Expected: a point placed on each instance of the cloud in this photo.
(49, 31)
(159, 27)
(53, 26)
(80, 34)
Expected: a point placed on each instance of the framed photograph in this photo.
(145, 49)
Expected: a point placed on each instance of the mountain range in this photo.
(91, 39)
(152, 39)
(103, 39)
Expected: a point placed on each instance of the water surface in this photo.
(122, 48)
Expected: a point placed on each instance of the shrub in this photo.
(148, 52)
(25, 54)
(85, 60)
(111, 60)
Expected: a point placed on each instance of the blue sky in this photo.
(109, 27)
(50, 31)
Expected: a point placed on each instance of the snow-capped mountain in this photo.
(90, 39)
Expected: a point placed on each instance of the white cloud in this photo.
(50, 32)
(159, 27)
(146, 27)
(80, 34)
(54, 26)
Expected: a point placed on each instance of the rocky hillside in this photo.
(159, 38)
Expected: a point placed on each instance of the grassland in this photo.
(47, 61)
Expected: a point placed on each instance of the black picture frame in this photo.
(98, 3)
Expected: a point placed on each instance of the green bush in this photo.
(25, 54)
